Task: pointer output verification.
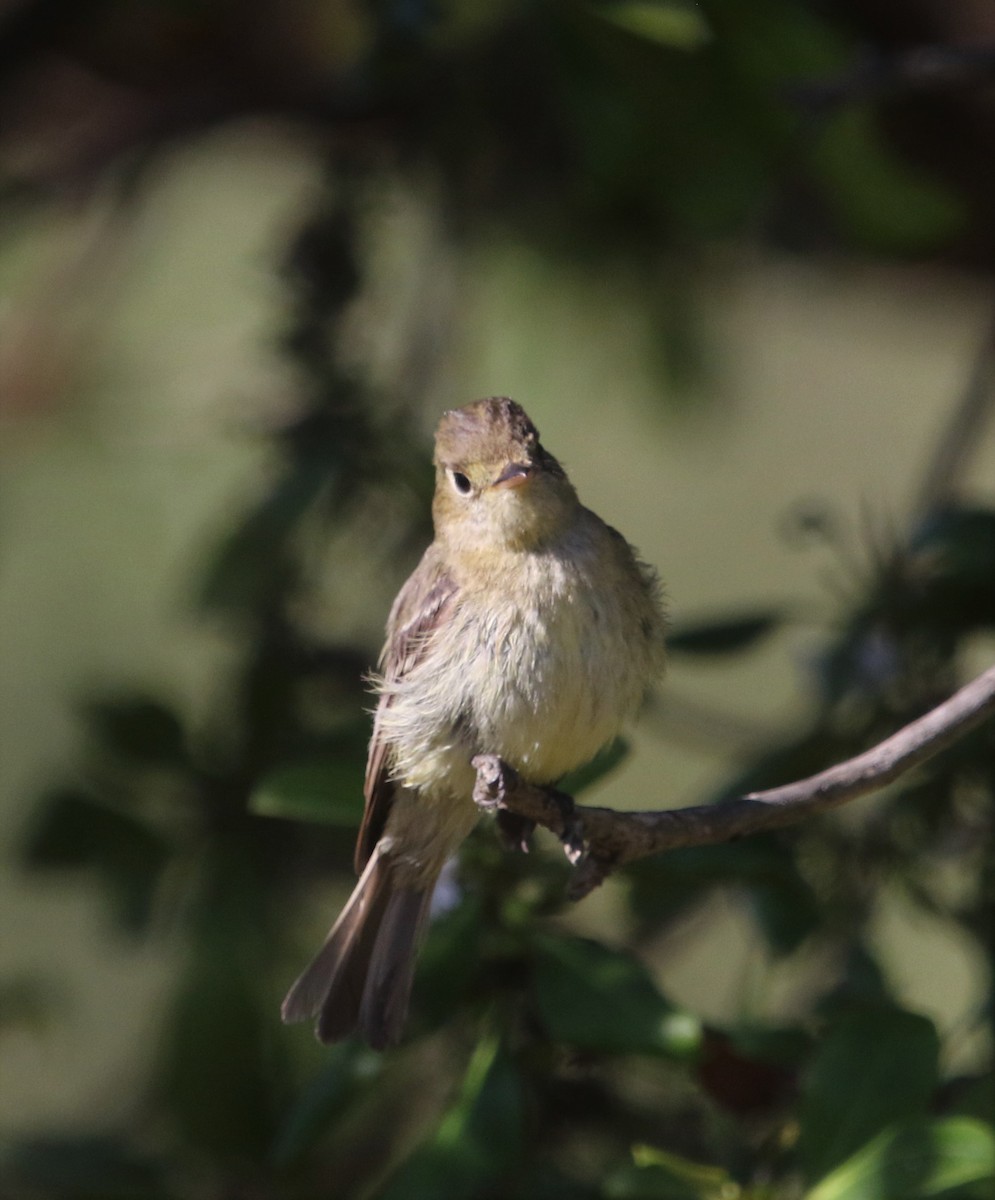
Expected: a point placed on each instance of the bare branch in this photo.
(599, 840)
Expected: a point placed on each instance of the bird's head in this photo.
(495, 483)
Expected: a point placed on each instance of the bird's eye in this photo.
(461, 483)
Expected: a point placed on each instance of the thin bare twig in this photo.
(599, 840)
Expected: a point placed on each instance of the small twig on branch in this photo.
(599, 840)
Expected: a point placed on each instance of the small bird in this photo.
(529, 630)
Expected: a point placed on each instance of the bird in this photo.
(530, 630)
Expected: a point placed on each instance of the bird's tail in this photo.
(360, 979)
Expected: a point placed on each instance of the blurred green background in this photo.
(737, 264)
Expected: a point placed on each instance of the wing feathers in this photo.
(420, 609)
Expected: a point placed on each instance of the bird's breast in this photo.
(542, 670)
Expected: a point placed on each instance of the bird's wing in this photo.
(421, 606)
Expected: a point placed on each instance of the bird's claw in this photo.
(571, 837)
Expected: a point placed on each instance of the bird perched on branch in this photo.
(529, 630)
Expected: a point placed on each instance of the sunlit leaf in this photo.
(662, 1175)
(674, 23)
(915, 1160)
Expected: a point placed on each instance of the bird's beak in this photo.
(514, 475)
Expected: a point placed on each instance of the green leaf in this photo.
(325, 791)
(881, 201)
(605, 761)
(915, 1160)
(660, 1175)
(674, 23)
(726, 636)
(874, 1067)
(479, 1139)
(604, 1000)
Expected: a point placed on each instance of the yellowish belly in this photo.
(543, 683)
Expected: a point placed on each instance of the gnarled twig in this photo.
(599, 840)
